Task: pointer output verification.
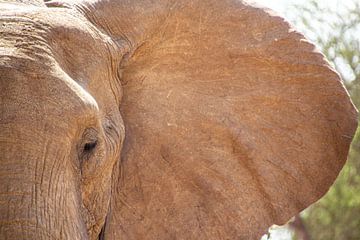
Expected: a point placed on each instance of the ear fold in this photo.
(233, 121)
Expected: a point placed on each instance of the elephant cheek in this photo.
(38, 197)
(96, 196)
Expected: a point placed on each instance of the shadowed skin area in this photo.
(233, 120)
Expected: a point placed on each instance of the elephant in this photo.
(162, 119)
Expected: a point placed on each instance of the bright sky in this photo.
(281, 5)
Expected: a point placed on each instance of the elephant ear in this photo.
(234, 122)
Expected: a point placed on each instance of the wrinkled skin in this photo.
(233, 120)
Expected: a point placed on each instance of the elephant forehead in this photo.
(84, 53)
(32, 82)
(59, 43)
(73, 38)
(64, 33)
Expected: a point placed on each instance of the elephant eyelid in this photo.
(89, 143)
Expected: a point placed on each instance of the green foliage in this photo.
(336, 31)
(337, 215)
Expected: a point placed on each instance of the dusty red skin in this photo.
(233, 120)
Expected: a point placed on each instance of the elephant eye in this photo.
(90, 146)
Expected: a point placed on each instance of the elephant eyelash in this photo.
(89, 144)
(88, 149)
(86, 152)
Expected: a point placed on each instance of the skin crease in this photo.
(233, 120)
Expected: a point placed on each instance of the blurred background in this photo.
(334, 26)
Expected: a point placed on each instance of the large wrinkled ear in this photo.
(233, 122)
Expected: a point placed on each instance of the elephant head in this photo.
(162, 119)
